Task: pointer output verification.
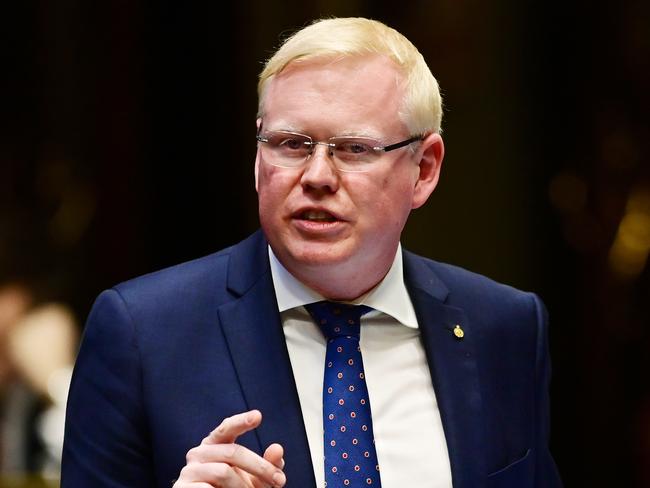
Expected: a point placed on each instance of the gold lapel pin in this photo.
(458, 332)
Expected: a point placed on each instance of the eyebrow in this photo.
(364, 135)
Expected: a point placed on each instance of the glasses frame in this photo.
(312, 145)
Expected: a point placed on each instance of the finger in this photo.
(210, 474)
(238, 457)
(200, 484)
(274, 454)
(232, 427)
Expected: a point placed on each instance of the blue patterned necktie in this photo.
(350, 455)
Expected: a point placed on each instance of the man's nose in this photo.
(320, 169)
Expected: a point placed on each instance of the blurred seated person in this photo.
(38, 344)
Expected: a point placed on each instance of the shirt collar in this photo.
(388, 296)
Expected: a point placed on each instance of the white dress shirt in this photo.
(410, 442)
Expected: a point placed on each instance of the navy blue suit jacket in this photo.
(165, 357)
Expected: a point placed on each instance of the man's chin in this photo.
(315, 255)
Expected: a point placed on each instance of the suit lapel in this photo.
(253, 330)
(454, 372)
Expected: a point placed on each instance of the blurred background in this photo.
(127, 145)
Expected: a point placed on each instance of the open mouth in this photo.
(317, 216)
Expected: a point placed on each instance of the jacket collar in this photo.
(454, 370)
(253, 330)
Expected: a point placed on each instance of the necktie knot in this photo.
(338, 319)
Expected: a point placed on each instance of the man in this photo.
(177, 368)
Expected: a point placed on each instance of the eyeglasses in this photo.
(350, 154)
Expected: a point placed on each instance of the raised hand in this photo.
(219, 462)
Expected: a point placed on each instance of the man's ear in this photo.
(433, 151)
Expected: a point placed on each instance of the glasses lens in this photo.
(285, 148)
(354, 153)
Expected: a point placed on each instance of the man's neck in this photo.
(340, 282)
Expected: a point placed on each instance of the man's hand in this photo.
(219, 462)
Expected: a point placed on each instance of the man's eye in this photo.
(354, 147)
(291, 143)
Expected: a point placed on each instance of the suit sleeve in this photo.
(546, 474)
(106, 439)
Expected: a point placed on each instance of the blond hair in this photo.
(356, 36)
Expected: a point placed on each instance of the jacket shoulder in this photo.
(174, 282)
(466, 288)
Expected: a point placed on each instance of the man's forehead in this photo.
(360, 95)
(352, 62)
